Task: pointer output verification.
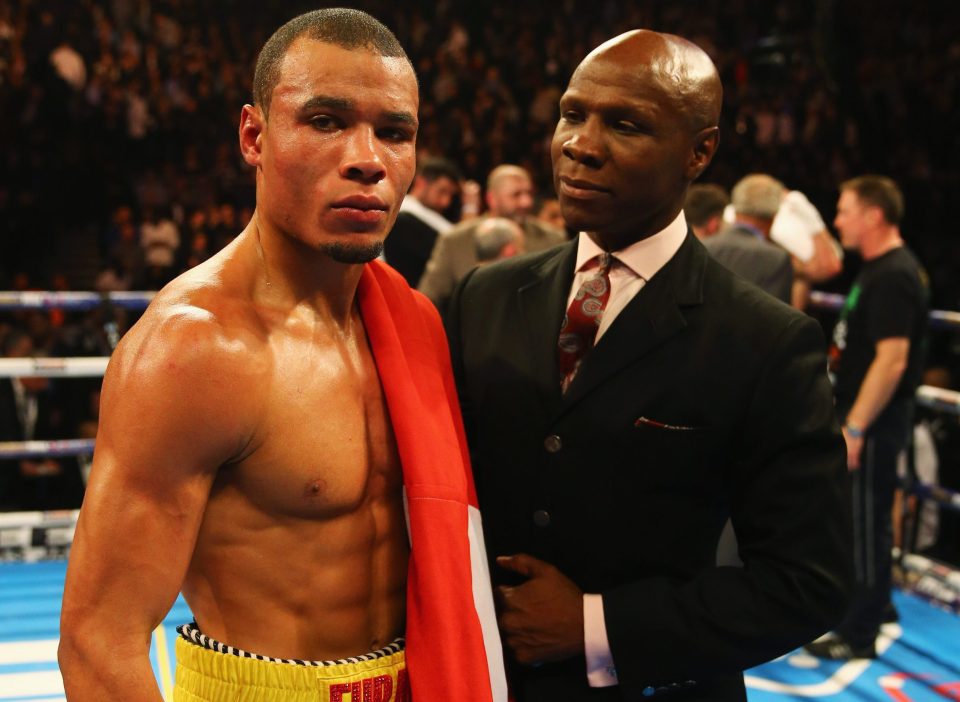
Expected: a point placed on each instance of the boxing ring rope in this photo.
(939, 319)
(74, 301)
(10, 450)
(40, 367)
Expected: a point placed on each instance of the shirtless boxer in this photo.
(245, 453)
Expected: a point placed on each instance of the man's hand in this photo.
(854, 449)
(542, 619)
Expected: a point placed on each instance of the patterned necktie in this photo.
(582, 320)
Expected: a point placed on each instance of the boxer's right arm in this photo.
(173, 410)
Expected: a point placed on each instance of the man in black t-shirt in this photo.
(876, 360)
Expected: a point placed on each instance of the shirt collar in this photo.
(645, 257)
(750, 229)
(413, 206)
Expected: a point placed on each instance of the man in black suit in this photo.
(606, 470)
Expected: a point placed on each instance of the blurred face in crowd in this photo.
(439, 194)
(630, 137)
(550, 214)
(337, 153)
(511, 197)
(853, 218)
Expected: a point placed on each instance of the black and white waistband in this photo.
(191, 633)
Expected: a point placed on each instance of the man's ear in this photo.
(705, 145)
(252, 124)
(714, 224)
(874, 215)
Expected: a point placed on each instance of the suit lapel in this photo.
(653, 316)
(542, 301)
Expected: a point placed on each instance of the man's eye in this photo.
(571, 116)
(395, 134)
(323, 122)
(627, 126)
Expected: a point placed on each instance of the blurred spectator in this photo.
(160, 240)
(548, 212)
(29, 411)
(704, 208)
(496, 238)
(421, 219)
(877, 359)
(509, 195)
(745, 247)
(227, 226)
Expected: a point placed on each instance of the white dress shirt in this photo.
(436, 220)
(633, 267)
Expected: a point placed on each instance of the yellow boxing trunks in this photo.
(209, 671)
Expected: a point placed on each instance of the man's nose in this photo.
(585, 145)
(362, 159)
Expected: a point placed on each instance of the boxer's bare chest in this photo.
(323, 444)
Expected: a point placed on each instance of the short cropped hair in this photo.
(757, 195)
(879, 191)
(504, 171)
(704, 201)
(340, 26)
(492, 235)
(434, 168)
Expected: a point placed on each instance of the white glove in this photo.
(795, 224)
(798, 204)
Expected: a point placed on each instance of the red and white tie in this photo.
(582, 320)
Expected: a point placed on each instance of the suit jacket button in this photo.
(541, 518)
(553, 443)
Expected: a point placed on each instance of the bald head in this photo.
(638, 123)
(683, 70)
(510, 192)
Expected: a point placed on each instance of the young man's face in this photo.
(337, 153)
(438, 194)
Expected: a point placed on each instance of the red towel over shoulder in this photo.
(453, 648)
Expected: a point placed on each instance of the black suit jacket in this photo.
(633, 509)
(409, 245)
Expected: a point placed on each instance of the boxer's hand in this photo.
(542, 619)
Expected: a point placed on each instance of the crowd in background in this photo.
(118, 120)
(128, 108)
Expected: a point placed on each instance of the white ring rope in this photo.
(46, 299)
(39, 367)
